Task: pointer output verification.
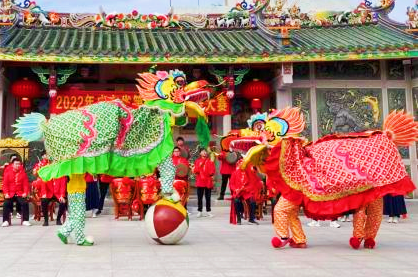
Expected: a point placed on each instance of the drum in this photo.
(182, 170)
(232, 157)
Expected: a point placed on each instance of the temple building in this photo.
(345, 70)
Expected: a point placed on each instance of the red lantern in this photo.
(256, 104)
(255, 89)
(26, 88)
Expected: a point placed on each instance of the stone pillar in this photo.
(410, 109)
(226, 124)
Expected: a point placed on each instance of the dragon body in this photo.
(111, 138)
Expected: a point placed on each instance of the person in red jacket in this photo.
(53, 190)
(104, 183)
(178, 159)
(5, 167)
(15, 188)
(181, 183)
(226, 171)
(246, 186)
(204, 170)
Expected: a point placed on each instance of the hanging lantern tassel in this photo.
(52, 84)
(25, 104)
(52, 93)
(256, 104)
(231, 87)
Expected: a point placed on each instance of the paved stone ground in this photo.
(212, 247)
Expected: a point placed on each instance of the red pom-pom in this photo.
(355, 242)
(369, 243)
(276, 242)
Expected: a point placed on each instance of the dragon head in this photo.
(242, 140)
(169, 91)
(266, 130)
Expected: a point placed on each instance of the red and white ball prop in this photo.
(167, 222)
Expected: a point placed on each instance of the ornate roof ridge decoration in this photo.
(243, 15)
(31, 15)
(412, 22)
(279, 17)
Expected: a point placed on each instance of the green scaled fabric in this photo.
(146, 143)
(202, 132)
(176, 109)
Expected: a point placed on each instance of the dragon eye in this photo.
(180, 82)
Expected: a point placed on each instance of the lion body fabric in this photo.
(335, 167)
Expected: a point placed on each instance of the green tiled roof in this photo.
(89, 42)
(372, 37)
(202, 46)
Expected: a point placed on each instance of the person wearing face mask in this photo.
(15, 189)
(204, 169)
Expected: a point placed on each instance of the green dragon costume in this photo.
(112, 138)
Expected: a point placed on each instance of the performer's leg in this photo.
(24, 208)
(374, 219)
(208, 193)
(253, 206)
(281, 217)
(200, 192)
(68, 226)
(283, 211)
(7, 208)
(239, 209)
(298, 236)
(225, 178)
(44, 204)
(104, 187)
(78, 210)
(359, 220)
(167, 175)
(18, 208)
(61, 211)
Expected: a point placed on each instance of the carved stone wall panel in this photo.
(348, 110)
(301, 99)
(397, 101)
(351, 70)
(395, 70)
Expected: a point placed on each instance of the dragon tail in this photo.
(28, 127)
(401, 128)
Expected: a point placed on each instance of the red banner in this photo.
(219, 105)
(74, 99)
